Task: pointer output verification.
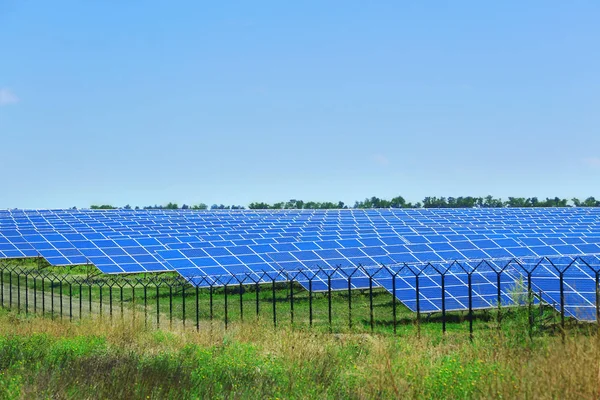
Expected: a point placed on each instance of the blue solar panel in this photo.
(255, 242)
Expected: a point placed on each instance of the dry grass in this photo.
(40, 358)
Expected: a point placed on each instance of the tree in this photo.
(591, 202)
(102, 207)
(259, 206)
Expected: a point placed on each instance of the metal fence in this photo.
(333, 298)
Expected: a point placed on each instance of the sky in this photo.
(149, 102)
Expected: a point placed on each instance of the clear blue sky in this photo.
(146, 102)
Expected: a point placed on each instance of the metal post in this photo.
(133, 302)
(70, 301)
(371, 314)
(274, 304)
(144, 284)
(310, 303)
(241, 288)
(90, 297)
(60, 292)
(26, 295)
(210, 293)
(110, 302)
(499, 314)
(529, 305)
(2, 287)
(257, 298)
(121, 301)
(10, 290)
(598, 303)
(350, 302)
(18, 293)
(443, 277)
(183, 303)
(394, 302)
(100, 287)
(80, 300)
(170, 306)
(34, 295)
(157, 305)
(470, 307)
(329, 302)
(43, 297)
(51, 299)
(197, 309)
(226, 311)
(562, 305)
(418, 306)
(292, 302)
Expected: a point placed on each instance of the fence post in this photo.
(470, 306)
(52, 298)
(257, 288)
(597, 272)
(90, 296)
(170, 305)
(43, 296)
(210, 293)
(70, 301)
(100, 285)
(34, 293)
(241, 289)
(292, 302)
(60, 292)
(274, 303)
(182, 301)
(18, 292)
(350, 301)
(499, 299)
(80, 299)
(10, 289)
(371, 313)
(145, 289)
(157, 302)
(443, 282)
(197, 308)
(310, 303)
(110, 301)
(226, 308)
(26, 293)
(418, 304)
(2, 286)
(562, 306)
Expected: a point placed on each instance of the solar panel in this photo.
(259, 244)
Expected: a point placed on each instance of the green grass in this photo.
(99, 356)
(92, 358)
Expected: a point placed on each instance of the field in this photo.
(130, 355)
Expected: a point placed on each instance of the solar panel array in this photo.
(416, 246)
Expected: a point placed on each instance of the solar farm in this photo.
(431, 260)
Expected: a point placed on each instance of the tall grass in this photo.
(41, 358)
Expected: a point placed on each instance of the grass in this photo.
(102, 357)
(42, 358)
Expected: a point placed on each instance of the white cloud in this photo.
(592, 162)
(380, 159)
(7, 97)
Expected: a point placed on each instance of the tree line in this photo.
(376, 202)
